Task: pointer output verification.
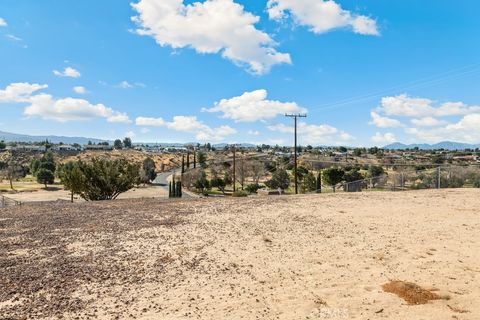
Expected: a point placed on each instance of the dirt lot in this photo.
(307, 257)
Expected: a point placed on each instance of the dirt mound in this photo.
(411, 292)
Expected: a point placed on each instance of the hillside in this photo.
(446, 145)
(287, 258)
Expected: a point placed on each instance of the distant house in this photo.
(27, 148)
(66, 147)
(97, 147)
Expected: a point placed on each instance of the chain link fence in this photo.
(401, 179)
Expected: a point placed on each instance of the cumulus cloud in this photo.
(213, 27)
(321, 16)
(384, 138)
(253, 106)
(189, 124)
(466, 129)
(202, 131)
(20, 92)
(70, 109)
(406, 106)
(427, 122)
(150, 122)
(46, 106)
(315, 134)
(80, 90)
(3, 23)
(384, 122)
(67, 72)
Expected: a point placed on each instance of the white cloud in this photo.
(67, 72)
(13, 37)
(384, 138)
(125, 85)
(253, 132)
(3, 23)
(428, 122)
(80, 90)
(189, 124)
(213, 27)
(467, 129)
(150, 122)
(20, 92)
(70, 109)
(321, 16)
(144, 130)
(202, 132)
(384, 122)
(406, 106)
(253, 106)
(315, 134)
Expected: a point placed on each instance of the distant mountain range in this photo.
(14, 137)
(446, 145)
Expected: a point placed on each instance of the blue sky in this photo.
(366, 72)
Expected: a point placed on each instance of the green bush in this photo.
(240, 194)
(45, 176)
(252, 188)
(476, 184)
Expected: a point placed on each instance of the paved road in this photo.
(162, 180)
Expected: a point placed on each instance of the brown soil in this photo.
(410, 292)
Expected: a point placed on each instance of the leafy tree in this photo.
(34, 166)
(3, 145)
(104, 179)
(48, 162)
(45, 176)
(219, 183)
(201, 158)
(353, 175)
(127, 142)
(72, 178)
(201, 183)
(252, 188)
(117, 144)
(149, 169)
(11, 171)
(280, 179)
(301, 172)
(375, 171)
(333, 176)
(309, 183)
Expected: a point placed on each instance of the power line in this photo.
(431, 80)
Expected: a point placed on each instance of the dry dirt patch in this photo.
(411, 292)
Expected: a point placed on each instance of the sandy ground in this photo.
(305, 257)
(56, 194)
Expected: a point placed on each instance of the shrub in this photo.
(100, 179)
(240, 194)
(280, 179)
(45, 176)
(252, 188)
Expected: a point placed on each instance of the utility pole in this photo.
(295, 117)
(439, 186)
(234, 166)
